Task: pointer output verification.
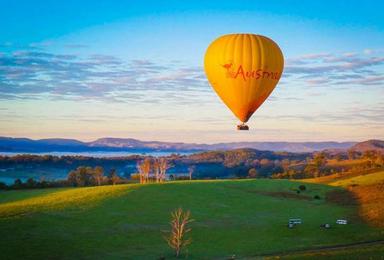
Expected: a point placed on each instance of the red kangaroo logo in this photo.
(228, 67)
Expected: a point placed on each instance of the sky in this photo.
(134, 69)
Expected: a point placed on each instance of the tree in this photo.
(311, 170)
(82, 176)
(90, 179)
(163, 166)
(265, 162)
(156, 169)
(352, 154)
(369, 154)
(368, 164)
(320, 159)
(98, 174)
(31, 183)
(318, 163)
(338, 157)
(380, 161)
(144, 169)
(252, 173)
(285, 163)
(292, 174)
(179, 228)
(191, 170)
(85, 176)
(18, 184)
(71, 178)
(3, 186)
(113, 177)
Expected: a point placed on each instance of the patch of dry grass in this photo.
(364, 190)
(371, 198)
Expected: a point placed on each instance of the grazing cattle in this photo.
(326, 225)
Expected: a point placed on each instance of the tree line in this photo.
(241, 163)
(82, 176)
(323, 163)
(149, 170)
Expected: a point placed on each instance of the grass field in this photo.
(367, 191)
(245, 218)
(374, 251)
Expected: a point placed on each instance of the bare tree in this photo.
(156, 169)
(179, 228)
(163, 167)
(98, 174)
(144, 169)
(191, 170)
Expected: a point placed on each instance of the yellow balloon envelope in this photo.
(243, 69)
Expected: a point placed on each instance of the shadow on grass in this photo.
(368, 200)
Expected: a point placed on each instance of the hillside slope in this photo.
(243, 218)
(365, 179)
(377, 145)
(367, 191)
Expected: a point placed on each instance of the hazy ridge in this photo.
(9, 144)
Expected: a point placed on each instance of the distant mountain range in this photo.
(8, 144)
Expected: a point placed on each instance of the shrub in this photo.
(316, 197)
(18, 184)
(135, 176)
(302, 187)
(252, 173)
(3, 186)
(31, 183)
(182, 177)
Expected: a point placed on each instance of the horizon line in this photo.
(144, 140)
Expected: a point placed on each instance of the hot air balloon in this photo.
(243, 69)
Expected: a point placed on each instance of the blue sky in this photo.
(134, 69)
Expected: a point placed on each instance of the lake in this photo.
(96, 153)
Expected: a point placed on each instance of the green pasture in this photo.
(245, 218)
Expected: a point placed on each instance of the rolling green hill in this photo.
(246, 218)
(366, 179)
(344, 179)
(366, 189)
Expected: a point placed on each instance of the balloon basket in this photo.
(242, 127)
